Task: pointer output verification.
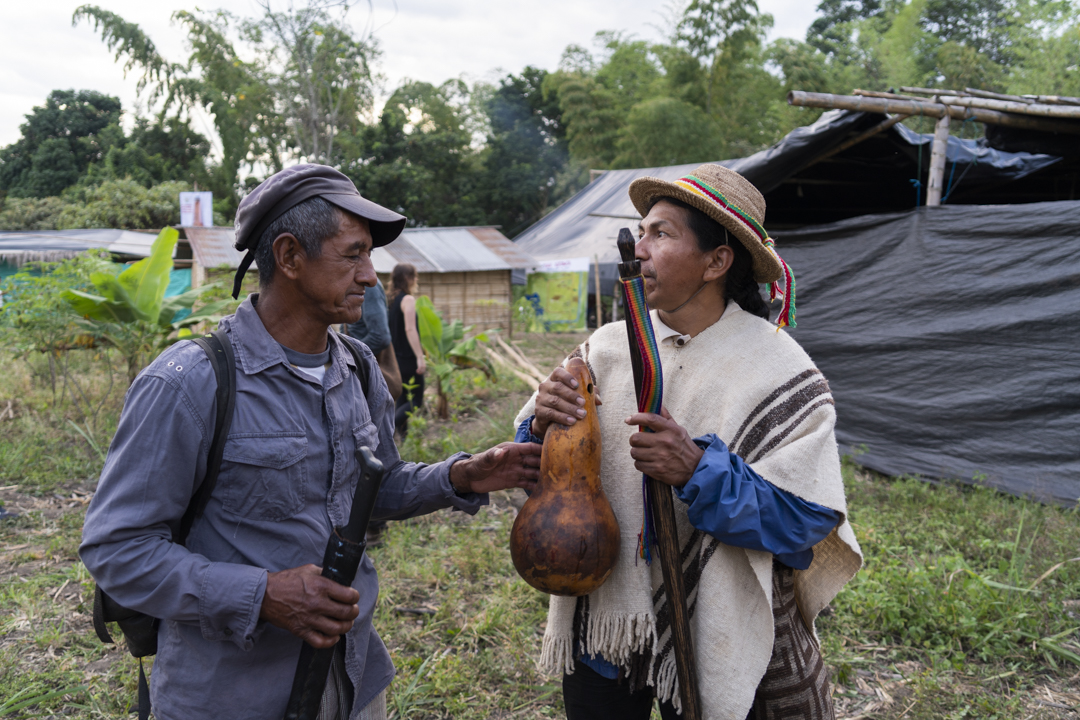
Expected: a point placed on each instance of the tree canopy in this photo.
(300, 85)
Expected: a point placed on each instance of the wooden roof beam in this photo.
(935, 110)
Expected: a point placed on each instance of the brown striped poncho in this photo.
(755, 388)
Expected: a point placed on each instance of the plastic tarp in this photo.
(951, 339)
(588, 223)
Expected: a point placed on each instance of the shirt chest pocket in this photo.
(263, 475)
(366, 434)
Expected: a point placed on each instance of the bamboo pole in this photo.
(1056, 99)
(525, 378)
(930, 109)
(998, 96)
(599, 305)
(1009, 106)
(929, 91)
(887, 96)
(520, 359)
(937, 161)
(971, 97)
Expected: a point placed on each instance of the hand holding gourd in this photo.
(565, 540)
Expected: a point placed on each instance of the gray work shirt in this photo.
(287, 479)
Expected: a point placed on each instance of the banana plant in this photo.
(129, 310)
(447, 350)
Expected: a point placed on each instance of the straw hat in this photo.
(729, 199)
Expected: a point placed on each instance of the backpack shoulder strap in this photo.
(219, 351)
(363, 370)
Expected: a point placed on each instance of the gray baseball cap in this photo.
(284, 190)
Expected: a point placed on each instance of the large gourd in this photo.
(566, 539)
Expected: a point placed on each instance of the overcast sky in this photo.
(430, 40)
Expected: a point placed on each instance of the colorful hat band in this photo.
(784, 288)
(703, 190)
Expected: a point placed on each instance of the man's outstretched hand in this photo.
(315, 609)
(504, 466)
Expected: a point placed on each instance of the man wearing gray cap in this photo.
(239, 597)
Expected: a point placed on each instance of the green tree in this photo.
(526, 151)
(595, 95)
(419, 158)
(30, 213)
(214, 77)
(723, 35)
(320, 72)
(667, 131)
(830, 32)
(311, 78)
(59, 141)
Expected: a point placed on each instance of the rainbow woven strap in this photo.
(651, 396)
(784, 288)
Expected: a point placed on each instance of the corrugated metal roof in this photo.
(455, 250)
(67, 243)
(462, 249)
(403, 252)
(503, 247)
(213, 246)
(431, 250)
(383, 261)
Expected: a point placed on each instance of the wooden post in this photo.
(198, 274)
(599, 305)
(937, 161)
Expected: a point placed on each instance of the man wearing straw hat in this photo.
(745, 439)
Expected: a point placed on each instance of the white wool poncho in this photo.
(760, 393)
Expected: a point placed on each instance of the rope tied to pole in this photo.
(949, 187)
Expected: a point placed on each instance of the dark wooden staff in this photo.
(663, 519)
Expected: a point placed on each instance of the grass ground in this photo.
(963, 610)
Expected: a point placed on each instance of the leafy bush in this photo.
(130, 311)
(34, 316)
(123, 204)
(447, 349)
(30, 213)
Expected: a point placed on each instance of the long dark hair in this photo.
(739, 284)
(402, 279)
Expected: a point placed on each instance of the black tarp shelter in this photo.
(950, 335)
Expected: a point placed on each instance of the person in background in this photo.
(406, 340)
(373, 330)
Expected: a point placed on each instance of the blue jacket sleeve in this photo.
(738, 507)
(524, 432)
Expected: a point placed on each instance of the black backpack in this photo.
(139, 629)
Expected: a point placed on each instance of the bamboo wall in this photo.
(480, 298)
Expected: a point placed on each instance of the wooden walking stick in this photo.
(660, 507)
